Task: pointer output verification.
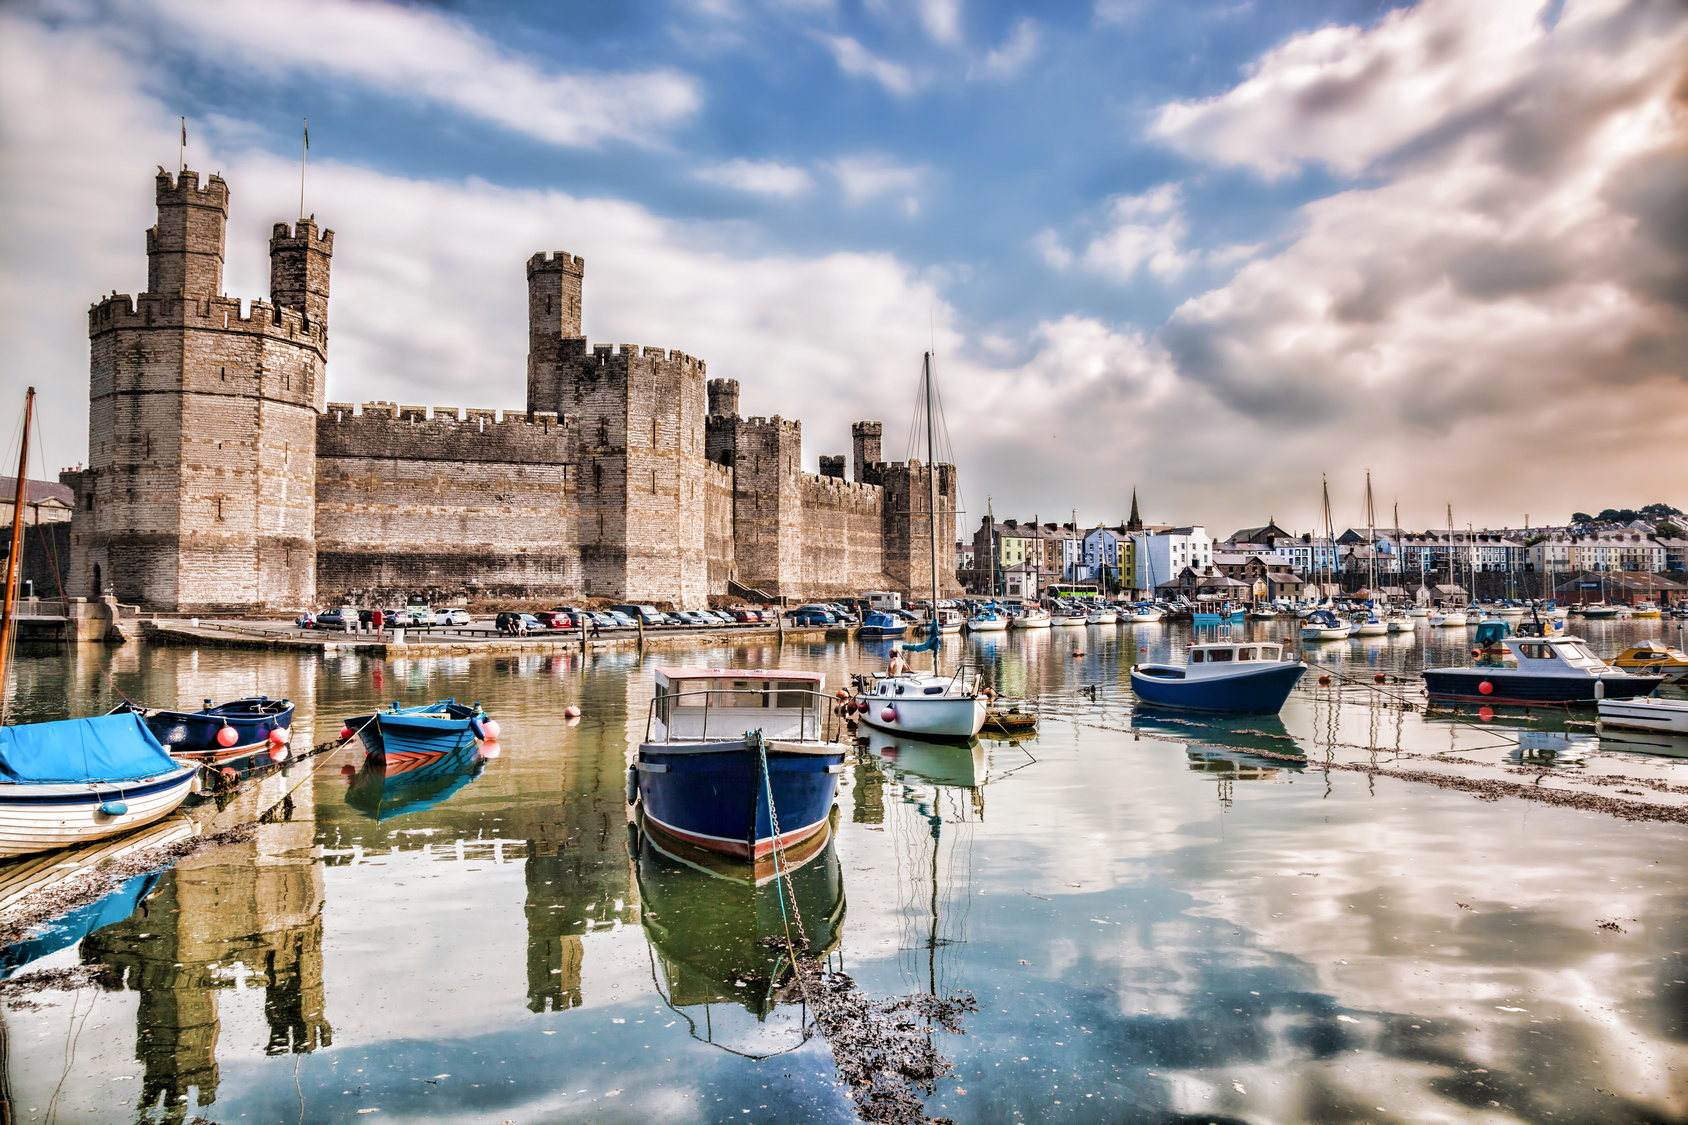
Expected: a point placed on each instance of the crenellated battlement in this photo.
(304, 236)
(209, 314)
(184, 190)
(470, 417)
(556, 261)
(774, 425)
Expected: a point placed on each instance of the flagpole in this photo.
(182, 152)
(305, 148)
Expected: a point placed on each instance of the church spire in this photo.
(1136, 521)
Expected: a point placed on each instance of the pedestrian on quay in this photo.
(594, 625)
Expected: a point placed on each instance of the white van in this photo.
(883, 600)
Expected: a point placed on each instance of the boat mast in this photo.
(1326, 571)
(1371, 538)
(932, 496)
(8, 622)
(990, 522)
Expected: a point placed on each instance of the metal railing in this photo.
(819, 718)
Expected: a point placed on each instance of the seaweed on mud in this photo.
(16, 990)
(881, 1048)
(1487, 789)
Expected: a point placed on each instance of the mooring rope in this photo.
(781, 870)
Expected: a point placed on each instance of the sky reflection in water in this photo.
(1157, 924)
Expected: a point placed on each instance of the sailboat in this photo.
(1450, 617)
(1398, 620)
(74, 780)
(928, 704)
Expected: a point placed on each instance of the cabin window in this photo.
(1214, 655)
(935, 690)
(899, 689)
(792, 693)
(1196, 656)
(662, 704)
(1245, 654)
(1537, 652)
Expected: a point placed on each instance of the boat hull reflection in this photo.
(717, 930)
(961, 764)
(398, 784)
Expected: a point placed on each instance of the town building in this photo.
(220, 478)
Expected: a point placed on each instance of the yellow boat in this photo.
(1646, 609)
(1654, 657)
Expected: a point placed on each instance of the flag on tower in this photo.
(307, 122)
(184, 132)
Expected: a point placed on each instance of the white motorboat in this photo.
(1101, 617)
(1419, 611)
(988, 621)
(1034, 617)
(1599, 611)
(1067, 617)
(1510, 612)
(1142, 615)
(1323, 625)
(1645, 714)
(1371, 625)
(1401, 623)
(1448, 619)
(928, 704)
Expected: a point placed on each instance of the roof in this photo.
(1259, 534)
(738, 674)
(38, 491)
(1284, 577)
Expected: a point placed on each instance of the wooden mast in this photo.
(8, 622)
(932, 497)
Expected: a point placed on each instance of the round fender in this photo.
(227, 737)
(632, 784)
(491, 728)
(1486, 688)
(346, 733)
(888, 715)
(278, 737)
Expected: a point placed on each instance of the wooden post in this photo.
(640, 621)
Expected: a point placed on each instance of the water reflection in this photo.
(718, 931)
(393, 785)
(235, 918)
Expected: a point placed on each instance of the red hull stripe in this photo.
(764, 846)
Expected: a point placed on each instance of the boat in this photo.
(1669, 715)
(1263, 613)
(949, 621)
(431, 728)
(1599, 611)
(1370, 624)
(1144, 614)
(1398, 622)
(1323, 625)
(1010, 720)
(987, 621)
(199, 734)
(1655, 657)
(1551, 669)
(730, 753)
(1065, 616)
(1448, 619)
(1646, 609)
(1033, 617)
(1510, 612)
(74, 780)
(1227, 676)
(925, 704)
(881, 625)
(1418, 611)
(1101, 617)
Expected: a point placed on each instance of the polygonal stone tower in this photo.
(200, 491)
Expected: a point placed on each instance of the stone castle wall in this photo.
(219, 479)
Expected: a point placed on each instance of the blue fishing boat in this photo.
(1229, 676)
(425, 731)
(882, 625)
(199, 734)
(1538, 669)
(66, 782)
(728, 753)
(1224, 617)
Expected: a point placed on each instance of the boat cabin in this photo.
(1551, 656)
(1221, 654)
(715, 704)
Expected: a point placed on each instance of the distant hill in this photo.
(1609, 518)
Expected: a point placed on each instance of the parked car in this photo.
(674, 619)
(843, 613)
(555, 619)
(327, 619)
(622, 620)
(510, 622)
(693, 617)
(389, 617)
(455, 617)
(812, 615)
(745, 614)
(646, 613)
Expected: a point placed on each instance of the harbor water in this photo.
(1162, 918)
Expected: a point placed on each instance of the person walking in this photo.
(595, 629)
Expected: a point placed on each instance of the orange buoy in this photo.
(1379, 677)
(226, 737)
(1487, 714)
(1324, 681)
(1486, 688)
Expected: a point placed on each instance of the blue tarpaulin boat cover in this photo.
(104, 748)
(930, 644)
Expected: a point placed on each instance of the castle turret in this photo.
(723, 398)
(185, 246)
(299, 260)
(554, 294)
(864, 445)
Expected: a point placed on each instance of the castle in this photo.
(220, 479)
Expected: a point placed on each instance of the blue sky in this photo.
(1211, 250)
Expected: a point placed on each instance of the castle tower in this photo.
(864, 446)
(299, 260)
(906, 521)
(723, 398)
(185, 246)
(767, 505)
(554, 295)
(200, 489)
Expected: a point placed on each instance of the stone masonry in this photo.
(219, 479)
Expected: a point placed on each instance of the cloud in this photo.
(857, 60)
(1015, 52)
(942, 20)
(1521, 268)
(760, 177)
(414, 52)
(868, 177)
(1148, 230)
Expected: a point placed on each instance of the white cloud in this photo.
(1015, 52)
(414, 52)
(1148, 231)
(868, 177)
(1344, 96)
(760, 177)
(855, 59)
(942, 20)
